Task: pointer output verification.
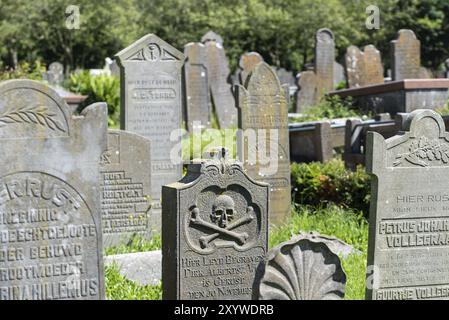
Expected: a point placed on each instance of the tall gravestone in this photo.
(264, 145)
(314, 84)
(215, 232)
(339, 74)
(324, 60)
(50, 222)
(125, 181)
(151, 103)
(406, 56)
(364, 68)
(247, 63)
(408, 250)
(196, 86)
(219, 81)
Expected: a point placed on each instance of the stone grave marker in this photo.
(364, 68)
(339, 74)
(125, 181)
(197, 87)
(151, 103)
(264, 145)
(303, 268)
(220, 83)
(55, 74)
(408, 250)
(50, 216)
(446, 64)
(212, 36)
(247, 63)
(324, 60)
(215, 231)
(406, 56)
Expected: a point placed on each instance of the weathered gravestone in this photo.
(215, 231)
(303, 268)
(55, 74)
(364, 68)
(212, 36)
(264, 143)
(219, 82)
(247, 63)
(196, 87)
(406, 56)
(125, 180)
(324, 60)
(151, 104)
(408, 250)
(50, 222)
(339, 74)
(313, 85)
(307, 94)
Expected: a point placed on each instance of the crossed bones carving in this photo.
(240, 238)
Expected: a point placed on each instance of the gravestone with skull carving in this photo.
(214, 231)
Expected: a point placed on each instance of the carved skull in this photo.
(223, 210)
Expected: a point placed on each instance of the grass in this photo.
(331, 220)
(120, 288)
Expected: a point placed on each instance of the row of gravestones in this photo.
(66, 182)
(215, 220)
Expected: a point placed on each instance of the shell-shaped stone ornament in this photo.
(303, 268)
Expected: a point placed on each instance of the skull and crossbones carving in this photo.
(222, 217)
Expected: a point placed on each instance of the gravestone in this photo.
(406, 56)
(247, 63)
(285, 76)
(125, 181)
(151, 104)
(339, 74)
(408, 250)
(306, 95)
(219, 82)
(364, 68)
(303, 268)
(196, 87)
(50, 223)
(214, 231)
(313, 85)
(264, 145)
(212, 36)
(55, 74)
(374, 70)
(324, 60)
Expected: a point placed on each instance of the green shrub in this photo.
(24, 70)
(331, 107)
(101, 88)
(317, 183)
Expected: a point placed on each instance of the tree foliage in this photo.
(281, 30)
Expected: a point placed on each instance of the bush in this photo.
(101, 88)
(317, 183)
(24, 71)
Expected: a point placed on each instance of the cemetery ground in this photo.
(335, 203)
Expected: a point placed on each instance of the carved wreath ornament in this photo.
(423, 151)
(37, 115)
